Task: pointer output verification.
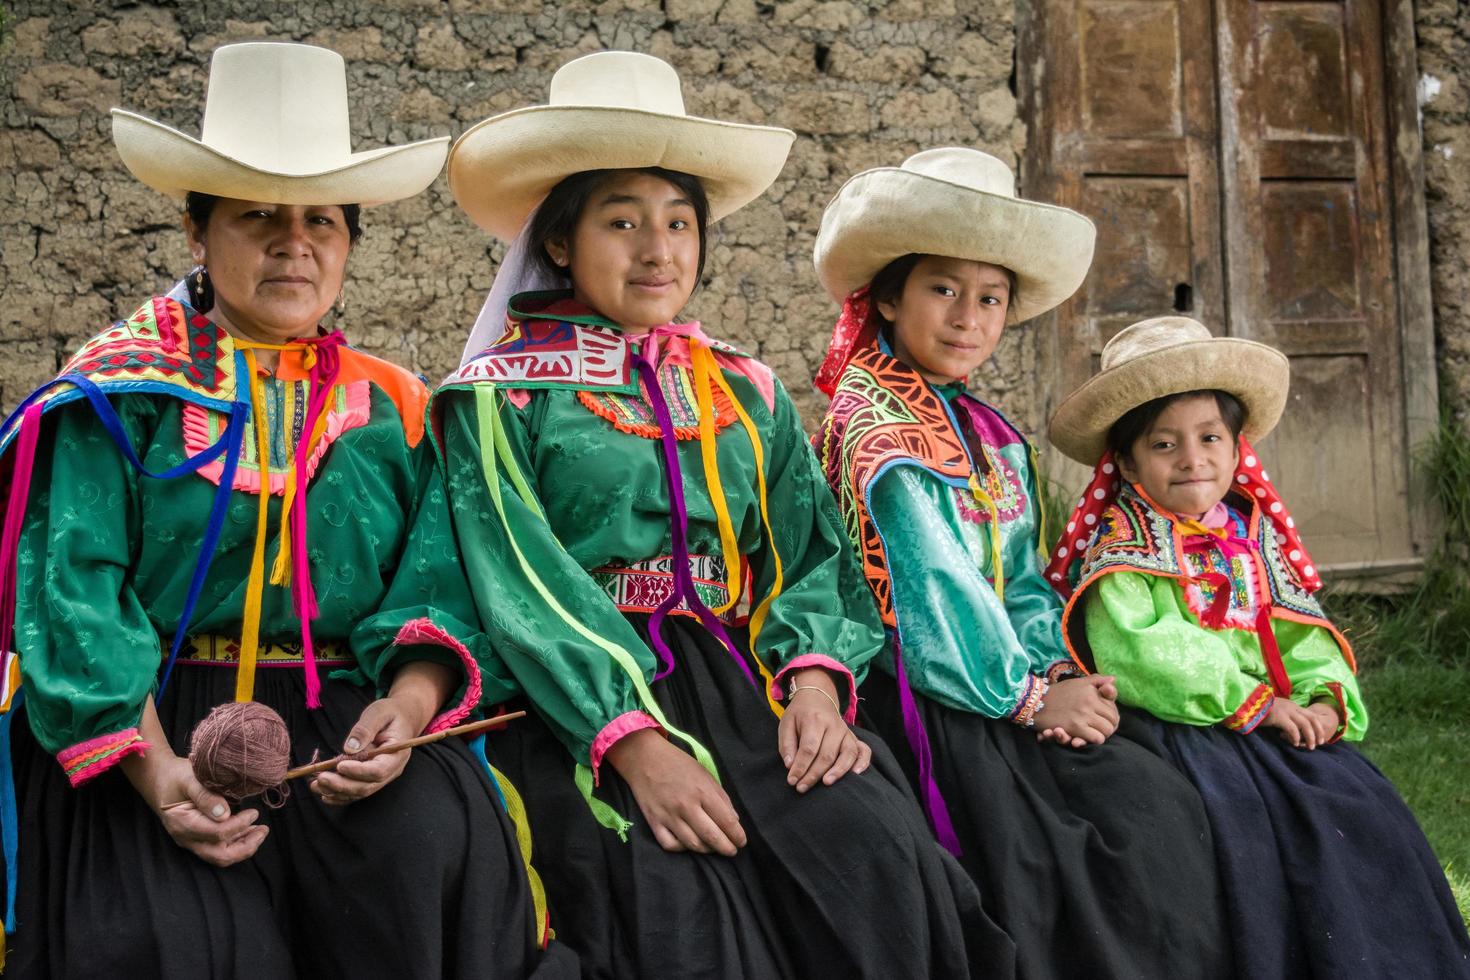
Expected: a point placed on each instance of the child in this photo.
(1196, 593)
(619, 481)
(1095, 857)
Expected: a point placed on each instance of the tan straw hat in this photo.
(611, 110)
(275, 130)
(959, 203)
(1166, 356)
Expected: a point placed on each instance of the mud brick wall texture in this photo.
(863, 83)
(1443, 28)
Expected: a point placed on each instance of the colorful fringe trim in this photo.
(89, 759)
(1252, 712)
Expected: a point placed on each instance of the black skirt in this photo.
(1325, 869)
(422, 879)
(844, 880)
(1097, 861)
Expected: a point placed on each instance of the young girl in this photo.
(621, 484)
(1195, 590)
(1093, 855)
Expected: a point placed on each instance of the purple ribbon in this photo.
(913, 727)
(678, 532)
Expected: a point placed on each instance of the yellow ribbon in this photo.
(706, 369)
(495, 452)
(997, 566)
(255, 584)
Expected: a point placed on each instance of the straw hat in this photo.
(1165, 356)
(275, 130)
(959, 203)
(610, 110)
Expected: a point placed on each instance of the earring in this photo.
(201, 290)
(341, 304)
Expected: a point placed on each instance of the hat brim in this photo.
(501, 169)
(176, 163)
(883, 214)
(1256, 374)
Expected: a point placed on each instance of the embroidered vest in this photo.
(884, 414)
(1135, 536)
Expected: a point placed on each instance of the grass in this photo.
(1413, 659)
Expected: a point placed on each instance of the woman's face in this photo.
(948, 318)
(276, 268)
(1186, 459)
(634, 253)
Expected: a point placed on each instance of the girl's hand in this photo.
(684, 806)
(814, 742)
(1107, 688)
(1299, 726)
(198, 821)
(1078, 711)
(418, 691)
(1325, 719)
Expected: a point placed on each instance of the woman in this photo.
(256, 568)
(621, 485)
(1090, 853)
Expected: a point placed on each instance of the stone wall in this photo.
(863, 82)
(1443, 28)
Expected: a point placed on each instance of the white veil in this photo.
(518, 273)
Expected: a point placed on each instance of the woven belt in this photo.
(643, 585)
(225, 651)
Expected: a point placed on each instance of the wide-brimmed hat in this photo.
(1168, 355)
(611, 110)
(959, 203)
(275, 130)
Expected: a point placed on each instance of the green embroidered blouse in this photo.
(603, 493)
(106, 558)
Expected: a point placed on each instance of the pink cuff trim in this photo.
(423, 630)
(624, 724)
(806, 660)
(90, 759)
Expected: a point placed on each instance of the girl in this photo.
(1195, 590)
(621, 486)
(1090, 853)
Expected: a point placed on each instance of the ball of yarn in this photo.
(241, 749)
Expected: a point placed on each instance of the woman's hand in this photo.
(418, 691)
(684, 806)
(1079, 711)
(1304, 728)
(1325, 717)
(814, 742)
(198, 821)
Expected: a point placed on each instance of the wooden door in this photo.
(1236, 157)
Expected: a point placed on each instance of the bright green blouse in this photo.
(1140, 628)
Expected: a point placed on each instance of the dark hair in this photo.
(887, 287)
(1127, 430)
(556, 219)
(201, 206)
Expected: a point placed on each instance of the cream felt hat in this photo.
(611, 110)
(959, 203)
(1165, 356)
(275, 130)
